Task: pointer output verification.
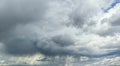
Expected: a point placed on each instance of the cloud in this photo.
(112, 20)
(20, 46)
(19, 12)
(106, 61)
(58, 28)
(63, 40)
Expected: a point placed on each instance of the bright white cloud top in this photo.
(59, 28)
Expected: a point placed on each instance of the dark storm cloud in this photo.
(50, 47)
(16, 12)
(58, 45)
(63, 40)
(20, 46)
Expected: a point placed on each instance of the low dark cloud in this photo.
(63, 40)
(50, 47)
(16, 12)
(19, 46)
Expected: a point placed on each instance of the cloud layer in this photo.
(61, 27)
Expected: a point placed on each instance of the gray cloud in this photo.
(111, 31)
(38, 26)
(115, 21)
(55, 46)
(16, 12)
(63, 40)
(20, 46)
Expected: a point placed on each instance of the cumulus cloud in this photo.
(61, 27)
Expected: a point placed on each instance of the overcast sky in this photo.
(60, 30)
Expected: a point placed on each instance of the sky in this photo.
(60, 32)
(113, 4)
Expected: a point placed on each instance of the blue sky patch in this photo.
(112, 5)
